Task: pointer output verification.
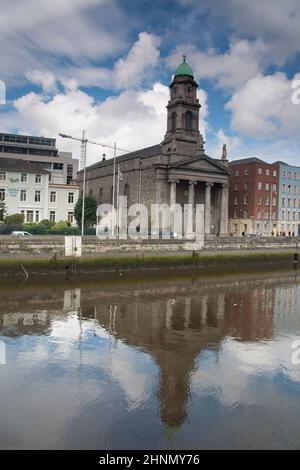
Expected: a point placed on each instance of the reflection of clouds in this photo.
(134, 381)
(119, 361)
(232, 377)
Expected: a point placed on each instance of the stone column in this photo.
(173, 192)
(224, 210)
(190, 212)
(207, 208)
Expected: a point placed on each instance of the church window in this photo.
(189, 120)
(173, 121)
(100, 195)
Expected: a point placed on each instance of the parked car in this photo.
(21, 233)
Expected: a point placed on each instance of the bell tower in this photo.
(183, 134)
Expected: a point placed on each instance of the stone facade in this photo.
(175, 171)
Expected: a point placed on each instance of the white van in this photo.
(21, 234)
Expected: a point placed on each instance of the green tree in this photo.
(47, 223)
(90, 209)
(3, 210)
(14, 219)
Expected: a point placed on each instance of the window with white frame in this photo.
(29, 217)
(71, 217)
(259, 186)
(37, 196)
(37, 216)
(274, 173)
(52, 216)
(23, 195)
(259, 171)
(267, 172)
(2, 175)
(71, 198)
(267, 187)
(236, 201)
(23, 177)
(38, 178)
(52, 196)
(2, 194)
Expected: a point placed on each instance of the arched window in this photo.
(100, 195)
(173, 121)
(189, 120)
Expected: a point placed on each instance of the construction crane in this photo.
(83, 149)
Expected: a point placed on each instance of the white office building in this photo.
(31, 189)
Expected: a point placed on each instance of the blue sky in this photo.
(105, 66)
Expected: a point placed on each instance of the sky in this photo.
(105, 66)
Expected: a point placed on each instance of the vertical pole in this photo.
(83, 143)
(114, 182)
(118, 192)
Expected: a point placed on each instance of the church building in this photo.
(175, 171)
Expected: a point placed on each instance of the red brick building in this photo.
(253, 197)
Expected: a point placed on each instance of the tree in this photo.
(14, 219)
(90, 209)
(3, 210)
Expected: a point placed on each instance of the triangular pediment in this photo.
(205, 164)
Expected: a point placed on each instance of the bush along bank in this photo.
(241, 261)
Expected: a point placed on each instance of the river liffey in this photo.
(151, 364)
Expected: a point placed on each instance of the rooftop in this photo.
(248, 160)
(184, 69)
(14, 164)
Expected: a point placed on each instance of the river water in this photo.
(183, 363)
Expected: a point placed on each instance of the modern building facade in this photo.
(175, 171)
(26, 188)
(253, 197)
(289, 200)
(63, 168)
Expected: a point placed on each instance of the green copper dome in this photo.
(184, 69)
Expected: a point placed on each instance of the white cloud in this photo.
(274, 22)
(262, 108)
(55, 35)
(242, 61)
(42, 78)
(128, 71)
(134, 119)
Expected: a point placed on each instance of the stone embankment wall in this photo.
(55, 245)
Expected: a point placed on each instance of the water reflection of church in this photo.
(172, 322)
